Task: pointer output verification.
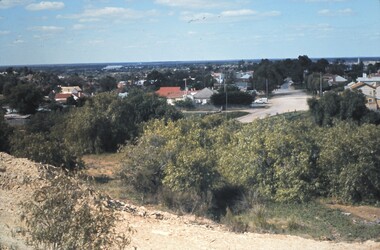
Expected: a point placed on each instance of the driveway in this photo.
(284, 100)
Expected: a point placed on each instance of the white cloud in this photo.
(47, 28)
(45, 6)
(4, 32)
(324, 1)
(5, 4)
(92, 14)
(315, 28)
(94, 42)
(346, 11)
(78, 27)
(226, 16)
(197, 4)
(88, 20)
(192, 33)
(271, 13)
(341, 12)
(18, 41)
(324, 12)
(197, 17)
(236, 13)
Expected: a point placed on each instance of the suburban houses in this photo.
(370, 87)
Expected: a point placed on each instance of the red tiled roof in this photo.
(61, 95)
(360, 84)
(170, 92)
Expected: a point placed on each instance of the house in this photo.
(219, 77)
(204, 96)
(336, 80)
(243, 76)
(369, 79)
(371, 92)
(68, 91)
(172, 94)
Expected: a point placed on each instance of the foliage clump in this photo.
(347, 106)
(63, 214)
(279, 159)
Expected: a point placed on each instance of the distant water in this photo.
(158, 64)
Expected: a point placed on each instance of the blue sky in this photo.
(91, 31)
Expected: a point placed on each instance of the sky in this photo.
(97, 31)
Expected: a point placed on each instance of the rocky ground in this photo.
(152, 229)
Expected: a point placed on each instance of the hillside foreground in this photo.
(152, 229)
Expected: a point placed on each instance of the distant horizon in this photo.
(352, 58)
(36, 32)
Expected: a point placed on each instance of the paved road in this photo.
(284, 100)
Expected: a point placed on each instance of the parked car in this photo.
(261, 101)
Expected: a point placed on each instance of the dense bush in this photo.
(233, 98)
(5, 134)
(350, 161)
(41, 147)
(175, 157)
(348, 105)
(277, 159)
(106, 121)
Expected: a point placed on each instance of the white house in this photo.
(204, 96)
(371, 92)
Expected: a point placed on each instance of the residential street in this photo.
(284, 100)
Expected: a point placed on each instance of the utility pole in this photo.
(320, 84)
(266, 86)
(225, 90)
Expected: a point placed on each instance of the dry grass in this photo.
(368, 213)
(102, 165)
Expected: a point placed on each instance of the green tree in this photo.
(350, 160)
(103, 123)
(267, 72)
(157, 78)
(350, 105)
(107, 83)
(353, 106)
(25, 98)
(275, 158)
(233, 98)
(5, 133)
(107, 121)
(44, 148)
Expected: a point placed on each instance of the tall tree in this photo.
(25, 98)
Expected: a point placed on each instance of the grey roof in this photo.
(205, 93)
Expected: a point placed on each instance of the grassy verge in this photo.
(311, 219)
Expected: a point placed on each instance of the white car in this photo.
(261, 101)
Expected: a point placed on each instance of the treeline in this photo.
(105, 122)
(202, 164)
(347, 105)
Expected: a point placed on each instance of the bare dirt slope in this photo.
(153, 229)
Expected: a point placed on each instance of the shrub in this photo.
(44, 148)
(235, 223)
(65, 215)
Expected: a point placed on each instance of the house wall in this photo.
(368, 91)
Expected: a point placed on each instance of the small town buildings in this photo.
(172, 94)
(371, 92)
(68, 91)
(204, 96)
